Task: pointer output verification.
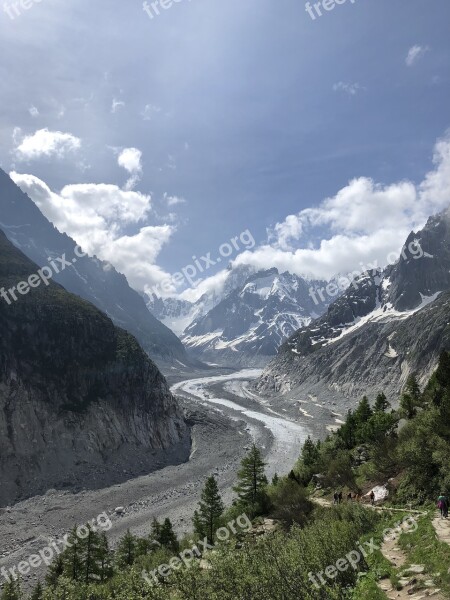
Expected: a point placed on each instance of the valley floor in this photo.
(227, 418)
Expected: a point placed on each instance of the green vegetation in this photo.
(374, 444)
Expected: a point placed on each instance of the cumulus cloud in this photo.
(96, 216)
(47, 143)
(131, 160)
(34, 112)
(364, 222)
(415, 53)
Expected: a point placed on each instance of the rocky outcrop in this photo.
(90, 278)
(387, 325)
(81, 404)
(250, 323)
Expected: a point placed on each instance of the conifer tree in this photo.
(363, 412)
(252, 481)
(126, 550)
(38, 592)
(310, 453)
(167, 536)
(105, 564)
(55, 571)
(381, 403)
(11, 591)
(210, 510)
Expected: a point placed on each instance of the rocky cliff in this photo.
(92, 279)
(388, 324)
(81, 404)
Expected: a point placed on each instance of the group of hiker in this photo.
(442, 505)
(338, 497)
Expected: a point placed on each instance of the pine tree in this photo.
(347, 432)
(381, 403)
(199, 525)
(90, 556)
(126, 550)
(38, 592)
(11, 591)
(156, 530)
(363, 412)
(275, 480)
(105, 566)
(310, 453)
(167, 536)
(408, 408)
(210, 510)
(252, 481)
(412, 389)
(72, 561)
(55, 571)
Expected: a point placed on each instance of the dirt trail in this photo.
(410, 578)
(442, 527)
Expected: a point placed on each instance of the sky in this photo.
(316, 144)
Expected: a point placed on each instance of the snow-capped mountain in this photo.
(386, 325)
(178, 314)
(252, 321)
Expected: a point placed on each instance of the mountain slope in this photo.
(252, 321)
(178, 314)
(80, 402)
(385, 326)
(92, 279)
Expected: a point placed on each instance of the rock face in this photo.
(178, 314)
(90, 278)
(81, 404)
(248, 326)
(387, 325)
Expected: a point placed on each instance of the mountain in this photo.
(81, 404)
(251, 322)
(178, 314)
(90, 278)
(389, 323)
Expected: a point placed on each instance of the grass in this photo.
(424, 548)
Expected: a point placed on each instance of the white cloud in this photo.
(116, 105)
(363, 223)
(131, 160)
(348, 88)
(150, 111)
(415, 53)
(34, 112)
(96, 216)
(47, 143)
(173, 200)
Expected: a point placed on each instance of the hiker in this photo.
(340, 498)
(349, 497)
(372, 498)
(335, 497)
(443, 505)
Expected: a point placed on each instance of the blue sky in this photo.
(239, 115)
